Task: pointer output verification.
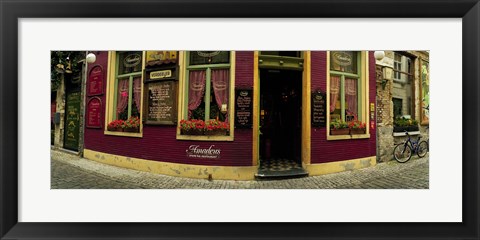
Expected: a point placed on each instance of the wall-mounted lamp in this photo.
(379, 55)
(91, 58)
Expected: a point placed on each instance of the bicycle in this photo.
(403, 151)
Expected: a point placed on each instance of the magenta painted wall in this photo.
(337, 150)
(159, 142)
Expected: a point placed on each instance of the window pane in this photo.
(220, 92)
(122, 98)
(196, 92)
(344, 61)
(136, 97)
(335, 107)
(351, 99)
(129, 62)
(209, 57)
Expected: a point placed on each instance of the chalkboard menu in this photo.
(94, 109)
(95, 81)
(243, 108)
(161, 99)
(319, 110)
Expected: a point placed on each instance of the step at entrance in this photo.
(280, 169)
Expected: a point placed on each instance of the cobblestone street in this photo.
(69, 171)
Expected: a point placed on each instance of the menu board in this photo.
(319, 110)
(95, 81)
(161, 103)
(243, 108)
(94, 109)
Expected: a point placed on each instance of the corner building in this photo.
(276, 108)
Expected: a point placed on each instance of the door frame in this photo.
(306, 114)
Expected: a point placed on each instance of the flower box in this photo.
(355, 131)
(216, 132)
(131, 129)
(343, 131)
(115, 129)
(192, 131)
(405, 128)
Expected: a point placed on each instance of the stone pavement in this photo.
(69, 171)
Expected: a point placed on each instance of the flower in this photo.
(192, 124)
(356, 124)
(214, 124)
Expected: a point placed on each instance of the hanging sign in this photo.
(243, 108)
(161, 57)
(94, 111)
(160, 74)
(319, 110)
(95, 81)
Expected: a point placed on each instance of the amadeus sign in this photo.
(342, 58)
(195, 151)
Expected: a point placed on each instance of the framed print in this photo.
(138, 35)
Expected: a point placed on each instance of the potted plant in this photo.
(339, 127)
(116, 126)
(402, 124)
(132, 124)
(215, 127)
(192, 127)
(357, 127)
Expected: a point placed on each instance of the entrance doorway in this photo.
(280, 122)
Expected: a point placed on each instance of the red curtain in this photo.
(122, 97)
(334, 91)
(137, 92)
(351, 96)
(220, 81)
(196, 90)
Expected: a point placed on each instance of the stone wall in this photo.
(386, 90)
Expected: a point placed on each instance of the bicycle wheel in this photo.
(402, 153)
(422, 149)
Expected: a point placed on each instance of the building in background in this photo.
(67, 98)
(403, 99)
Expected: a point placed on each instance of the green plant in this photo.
(64, 62)
(403, 122)
(338, 124)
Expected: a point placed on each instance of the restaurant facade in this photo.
(231, 114)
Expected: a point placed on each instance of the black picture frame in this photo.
(11, 11)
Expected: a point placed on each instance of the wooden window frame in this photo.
(184, 57)
(111, 98)
(363, 94)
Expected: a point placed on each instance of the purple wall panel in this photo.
(159, 142)
(338, 150)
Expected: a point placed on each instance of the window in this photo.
(402, 66)
(125, 92)
(347, 100)
(344, 86)
(207, 90)
(128, 85)
(402, 89)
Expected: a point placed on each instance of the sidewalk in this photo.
(70, 171)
